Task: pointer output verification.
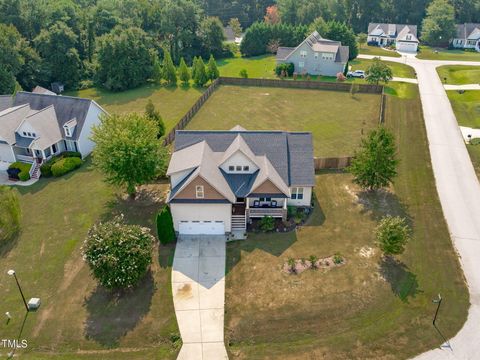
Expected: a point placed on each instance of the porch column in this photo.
(284, 212)
(248, 203)
(247, 210)
(43, 155)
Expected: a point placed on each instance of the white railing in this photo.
(261, 212)
(32, 170)
(27, 159)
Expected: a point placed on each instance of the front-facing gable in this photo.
(267, 187)
(189, 192)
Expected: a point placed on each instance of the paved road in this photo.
(459, 192)
(198, 287)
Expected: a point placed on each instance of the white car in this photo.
(357, 73)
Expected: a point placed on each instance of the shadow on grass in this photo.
(317, 218)
(403, 283)
(112, 315)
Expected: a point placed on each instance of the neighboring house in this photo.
(42, 90)
(467, 37)
(230, 35)
(315, 56)
(38, 126)
(403, 37)
(222, 179)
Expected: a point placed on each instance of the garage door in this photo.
(6, 153)
(201, 227)
(404, 46)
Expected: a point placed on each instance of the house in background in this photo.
(316, 56)
(220, 180)
(37, 126)
(403, 37)
(467, 37)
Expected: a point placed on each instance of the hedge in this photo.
(65, 165)
(289, 69)
(165, 230)
(46, 168)
(24, 168)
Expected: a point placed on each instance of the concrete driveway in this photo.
(459, 193)
(198, 287)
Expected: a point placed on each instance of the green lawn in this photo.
(459, 74)
(257, 67)
(466, 107)
(77, 319)
(399, 70)
(371, 308)
(336, 119)
(428, 53)
(172, 102)
(474, 151)
(377, 51)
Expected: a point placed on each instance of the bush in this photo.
(337, 258)
(165, 230)
(24, 170)
(9, 214)
(286, 68)
(392, 235)
(119, 255)
(267, 223)
(475, 141)
(244, 73)
(65, 165)
(46, 168)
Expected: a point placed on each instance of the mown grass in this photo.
(78, 319)
(466, 107)
(459, 74)
(336, 119)
(370, 307)
(376, 51)
(474, 151)
(429, 53)
(399, 70)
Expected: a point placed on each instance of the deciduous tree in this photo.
(236, 27)
(272, 15)
(438, 27)
(392, 235)
(378, 72)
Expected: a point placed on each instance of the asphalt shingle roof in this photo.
(291, 154)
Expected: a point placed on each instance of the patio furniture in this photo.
(256, 203)
(274, 203)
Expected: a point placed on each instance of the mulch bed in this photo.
(302, 265)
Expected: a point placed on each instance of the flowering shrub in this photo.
(118, 254)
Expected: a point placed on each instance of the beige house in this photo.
(220, 180)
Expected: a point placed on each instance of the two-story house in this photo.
(403, 37)
(316, 56)
(467, 37)
(222, 179)
(36, 126)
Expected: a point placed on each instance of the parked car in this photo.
(357, 73)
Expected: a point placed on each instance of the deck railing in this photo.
(27, 159)
(261, 212)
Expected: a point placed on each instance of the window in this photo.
(54, 148)
(316, 55)
(29, 134)
(239, 168)
(303, 54)
(231, 168)
(199, 192)
(301, 64)
(327, 56)
(33, 134)
(409, 37)
(67, 131)
(297, 193)
(24, 133)
(246, 168)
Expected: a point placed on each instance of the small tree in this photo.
(212, 70)
(157, 70)
(154, 115)
(243, 73)
(236, 27)
(200, 78)
(392, 235)
(127, 150)
(169, 71)
(374, 165)
(362, 38)
(194, 67)
(119, 255)
(165, 230)
(10, 214)
(183, 72)
(267, 223)
(378, 71)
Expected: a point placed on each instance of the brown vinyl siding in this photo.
(210, 193)
(267, 187)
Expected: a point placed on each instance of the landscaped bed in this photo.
(377, 51)
(370, 307)
(336, 119)
(78, 319)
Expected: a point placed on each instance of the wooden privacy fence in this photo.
(332, 163)
(383, 105)
(288, 84)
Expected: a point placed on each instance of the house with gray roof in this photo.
(220, 180)
(402, 36)
(37, 126)
(315, 56)
(467, 37)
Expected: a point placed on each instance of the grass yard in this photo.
(474, 151)
(172, 102)
(428, 53)
(257, 67)
(77, 319)
(399, 70)
(336, 119)
(466, 107)
(376, 51)
(459, 74)
(369, 308)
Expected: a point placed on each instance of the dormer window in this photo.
(246, 168)
(199, 192)
(231, 168)
(239, 168)
(303, 54)
(34, 135)
(24, 133)
(67, 132)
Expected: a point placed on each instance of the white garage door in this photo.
(201, 227)
(6, 153)
(405, 46)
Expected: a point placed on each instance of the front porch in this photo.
(259, 207)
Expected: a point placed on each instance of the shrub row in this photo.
(20, 170)
(46, 169)
(65, 165)
(285, 69)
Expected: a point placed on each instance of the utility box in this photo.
(33, 304)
